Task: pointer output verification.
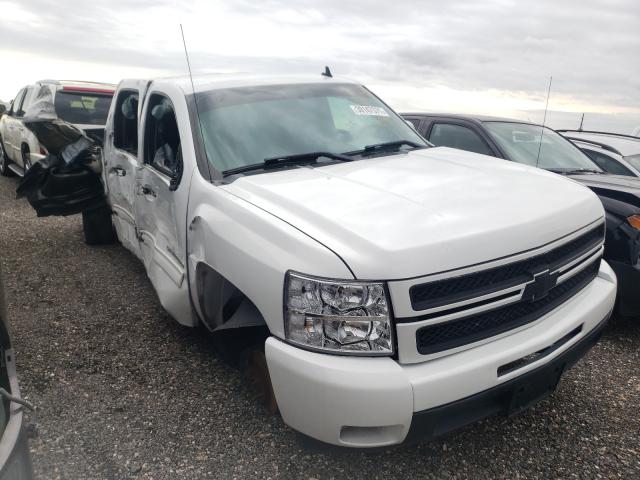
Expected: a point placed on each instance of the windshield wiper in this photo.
(386, 147)
(573, 171)
(297, 159)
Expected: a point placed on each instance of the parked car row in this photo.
(397, 290)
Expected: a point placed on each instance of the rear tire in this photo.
(97, 227)
(26, 158)
(5, 171)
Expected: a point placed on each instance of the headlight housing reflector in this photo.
(339, 316)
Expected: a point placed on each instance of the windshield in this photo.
(244, 126)
(82, 108)
(634, 160)
(521, 143)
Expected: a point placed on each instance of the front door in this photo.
(161, 202)
(11, 131)
(121, 163)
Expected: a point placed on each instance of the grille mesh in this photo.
(443, 336)
(452, 290)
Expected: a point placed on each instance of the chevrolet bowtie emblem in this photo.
(540, 287)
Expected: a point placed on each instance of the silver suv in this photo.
(84, 104)
(614, 153)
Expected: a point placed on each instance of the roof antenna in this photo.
(581, 123)
(544, 120)
(327, 72)
(195, 97)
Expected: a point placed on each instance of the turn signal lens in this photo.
(634, 221)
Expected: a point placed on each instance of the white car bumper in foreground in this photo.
(369, 402)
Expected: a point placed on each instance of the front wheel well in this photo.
(223, 306)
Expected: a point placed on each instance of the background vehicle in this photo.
(84, 104)
(521, 142)
(615, 154)
(15, 463)
(307, 216)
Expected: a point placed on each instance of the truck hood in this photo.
(616, 187)
(424, 212)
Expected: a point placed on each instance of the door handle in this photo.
(147, 192)
(119, 171)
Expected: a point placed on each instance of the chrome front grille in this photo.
(466, 309)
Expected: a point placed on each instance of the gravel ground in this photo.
(124, 392)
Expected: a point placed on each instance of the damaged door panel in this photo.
(160, 209)
(121, 163)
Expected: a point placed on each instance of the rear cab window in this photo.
(83, 106)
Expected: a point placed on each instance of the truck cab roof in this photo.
(204, 83)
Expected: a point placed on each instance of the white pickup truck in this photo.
(404, 290)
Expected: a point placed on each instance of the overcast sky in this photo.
(491, 57)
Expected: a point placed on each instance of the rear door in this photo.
(120, 161)
(162, 193)
(24, 136)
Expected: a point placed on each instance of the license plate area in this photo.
(537, 386)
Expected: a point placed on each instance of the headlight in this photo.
(348, 317)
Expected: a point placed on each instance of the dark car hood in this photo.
(616, 187)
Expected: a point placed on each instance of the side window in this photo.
(162, 149)
(15, 105)
(26, 101)
(125, 122)
(609, 164)
(457, 136)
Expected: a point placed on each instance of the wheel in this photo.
(4, 162)
(26, 158)
(97, 227)
(257, 373)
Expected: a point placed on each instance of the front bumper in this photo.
(372, 402)
(628, 287)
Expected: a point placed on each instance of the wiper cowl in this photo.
(386, 147)
(297, 159)
(574, 171)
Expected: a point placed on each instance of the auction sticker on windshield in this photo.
(368, 110)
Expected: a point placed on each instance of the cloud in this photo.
(508, 46)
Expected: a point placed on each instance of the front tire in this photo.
(97, 227)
